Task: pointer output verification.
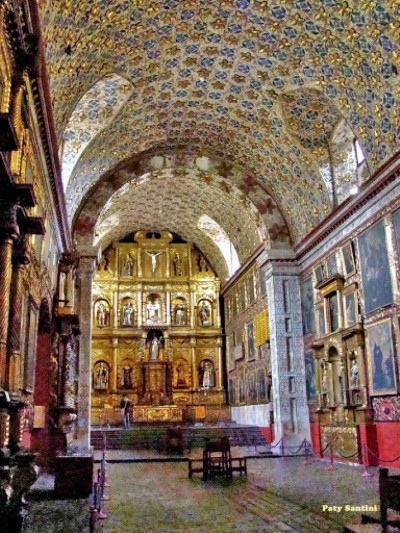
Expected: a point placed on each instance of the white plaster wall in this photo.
(255, 415)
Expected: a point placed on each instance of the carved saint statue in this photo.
(354, 374)
(204, 314)
(101, 315)
(101, 377)
(154, 348)
(153, 256)
(128, 314)
(181, 380)
(127, 269)
(180, 315)
(127, 377)
(207, 381)
(178, 264)
(153, 311)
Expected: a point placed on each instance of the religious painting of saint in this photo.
(333, 311)
(321, 321)
(331, 265)
(310, 375)
(307, 302)
(350, 309)
(319, 273)
(375, 271)
(348, 259)
(396, 224)
(250, 341)
(381, 358)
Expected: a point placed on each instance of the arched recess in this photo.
(98, 223)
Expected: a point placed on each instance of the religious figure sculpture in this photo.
(101, 315)
(153, 310)
(154, 348)
(207, 380)
(127, 377)
(354, 374)
(127, 269)
(128, 314)
(181, 381)
(153, 256)
(180, 315)
(101, 377)
(178, 264)
(204, 314)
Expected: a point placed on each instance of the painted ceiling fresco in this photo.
(257, 84)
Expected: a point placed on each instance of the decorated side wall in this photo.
(351, 308)
(248, 361)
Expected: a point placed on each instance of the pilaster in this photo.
(86, 269)
(291, 415)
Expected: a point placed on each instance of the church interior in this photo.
(200, 213)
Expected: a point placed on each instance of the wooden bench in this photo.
(196, 466)
(217, 461)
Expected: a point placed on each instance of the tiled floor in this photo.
(278, 496)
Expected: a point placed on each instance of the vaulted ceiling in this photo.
(258, 86)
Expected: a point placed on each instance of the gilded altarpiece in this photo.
(156, 331)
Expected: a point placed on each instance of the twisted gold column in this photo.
(6, 247)
(15, 321)
(10, 232)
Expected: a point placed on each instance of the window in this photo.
(360, 157)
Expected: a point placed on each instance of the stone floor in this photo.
(278, 496)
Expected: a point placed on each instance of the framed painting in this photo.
(307, 300)
(331, 265)
(396, 224)
(310, 376)
(350, 309)
(229, 355)
(321, 320)
(333, 311)
(381, 359)
(375, 273)
(319, 273)
(348, 259)
(250, 341)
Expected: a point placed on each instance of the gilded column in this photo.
(139, 306)
(194, 369)
(192, 306)
(20, 259)
(87, 265)
(115, 343)
(168, 304)
(10, 232)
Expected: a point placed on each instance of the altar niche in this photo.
(156, 372)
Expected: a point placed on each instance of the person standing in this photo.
(125, 406)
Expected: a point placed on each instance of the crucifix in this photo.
(153, 256)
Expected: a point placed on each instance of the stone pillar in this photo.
(9, 232)
(287, 351)
(87, 265)
(20, 259)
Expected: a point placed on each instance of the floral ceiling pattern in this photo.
(255, 83)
